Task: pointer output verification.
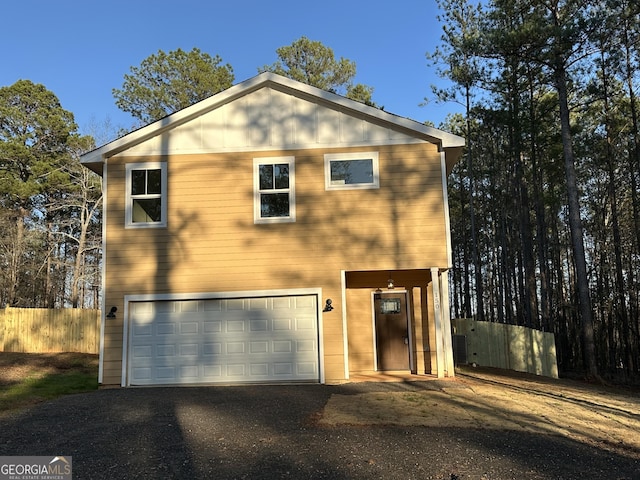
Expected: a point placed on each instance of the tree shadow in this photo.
(269, 431)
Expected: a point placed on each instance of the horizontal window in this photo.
(351, 171)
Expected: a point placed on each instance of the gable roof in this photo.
(445, 141)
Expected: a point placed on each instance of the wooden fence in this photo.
(511, 347)
(42, 330)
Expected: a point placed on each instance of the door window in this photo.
(389, 306)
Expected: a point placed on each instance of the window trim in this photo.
(257, 218)
(332, 157)
(129, 167)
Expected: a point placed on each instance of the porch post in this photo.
(345, 337)
(446, 326)
(440, 357)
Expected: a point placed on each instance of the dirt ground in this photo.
(601, 416)
(16, 366)
(604, 417)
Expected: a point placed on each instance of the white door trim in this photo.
(409, 324)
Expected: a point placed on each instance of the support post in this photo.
(440, 354)
(446, 326)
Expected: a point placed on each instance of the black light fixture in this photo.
(327, 306)
(112, 312)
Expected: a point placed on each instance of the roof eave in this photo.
(97, 157)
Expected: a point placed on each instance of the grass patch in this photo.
(28, 379)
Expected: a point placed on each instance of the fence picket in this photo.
(43, 330)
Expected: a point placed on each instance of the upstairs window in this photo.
(146, 186)
(346, 171)
(274, 192)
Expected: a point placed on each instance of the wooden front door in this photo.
(392, 331)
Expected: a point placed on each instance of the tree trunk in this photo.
(78, 262)
(634, 169)
(16, 259)
(547, 322)
(620, 304)
(575, 222)
(472, 214)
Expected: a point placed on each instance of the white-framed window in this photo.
(274, 190)
(146, 195)
(346, 171)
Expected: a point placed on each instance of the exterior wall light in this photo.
(112, 312)
(327, 306)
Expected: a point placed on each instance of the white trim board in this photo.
(216, 296)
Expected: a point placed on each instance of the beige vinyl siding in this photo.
(361, 352)
(404, 229)
(420, 328)
(211, 243)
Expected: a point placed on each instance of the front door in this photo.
(392, 331)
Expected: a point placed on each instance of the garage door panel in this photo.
(259, 325)
(142, 374)
(189, 327)
(143, 329)
(305, 323)
(282, 324)
(234, 304)
(188, 305)
(143, 351)
(211, 326)
(224, 340)
(189, 372)
(235, 326)
(257, 347)
(166, 329)
(305, 346)
(164, 372)
(259, 369)
(212, 349)
(189, 350)
(258, 304)
(212, 371)
(236, 370)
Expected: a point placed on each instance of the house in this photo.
(275, 232)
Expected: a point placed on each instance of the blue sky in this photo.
(80, 50)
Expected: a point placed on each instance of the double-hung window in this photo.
(347, 171)
(274, 190)
(146, 195)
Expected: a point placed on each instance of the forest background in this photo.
(545, 209)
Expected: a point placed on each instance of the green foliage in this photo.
(311, 62)
(34, 142)
(458, 57)
(48, 201)
(551, 85)
(167, 82)
(36, 388)
(361, 93)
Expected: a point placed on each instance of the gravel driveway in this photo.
(263, 432)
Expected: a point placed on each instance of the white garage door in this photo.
(223, 341)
